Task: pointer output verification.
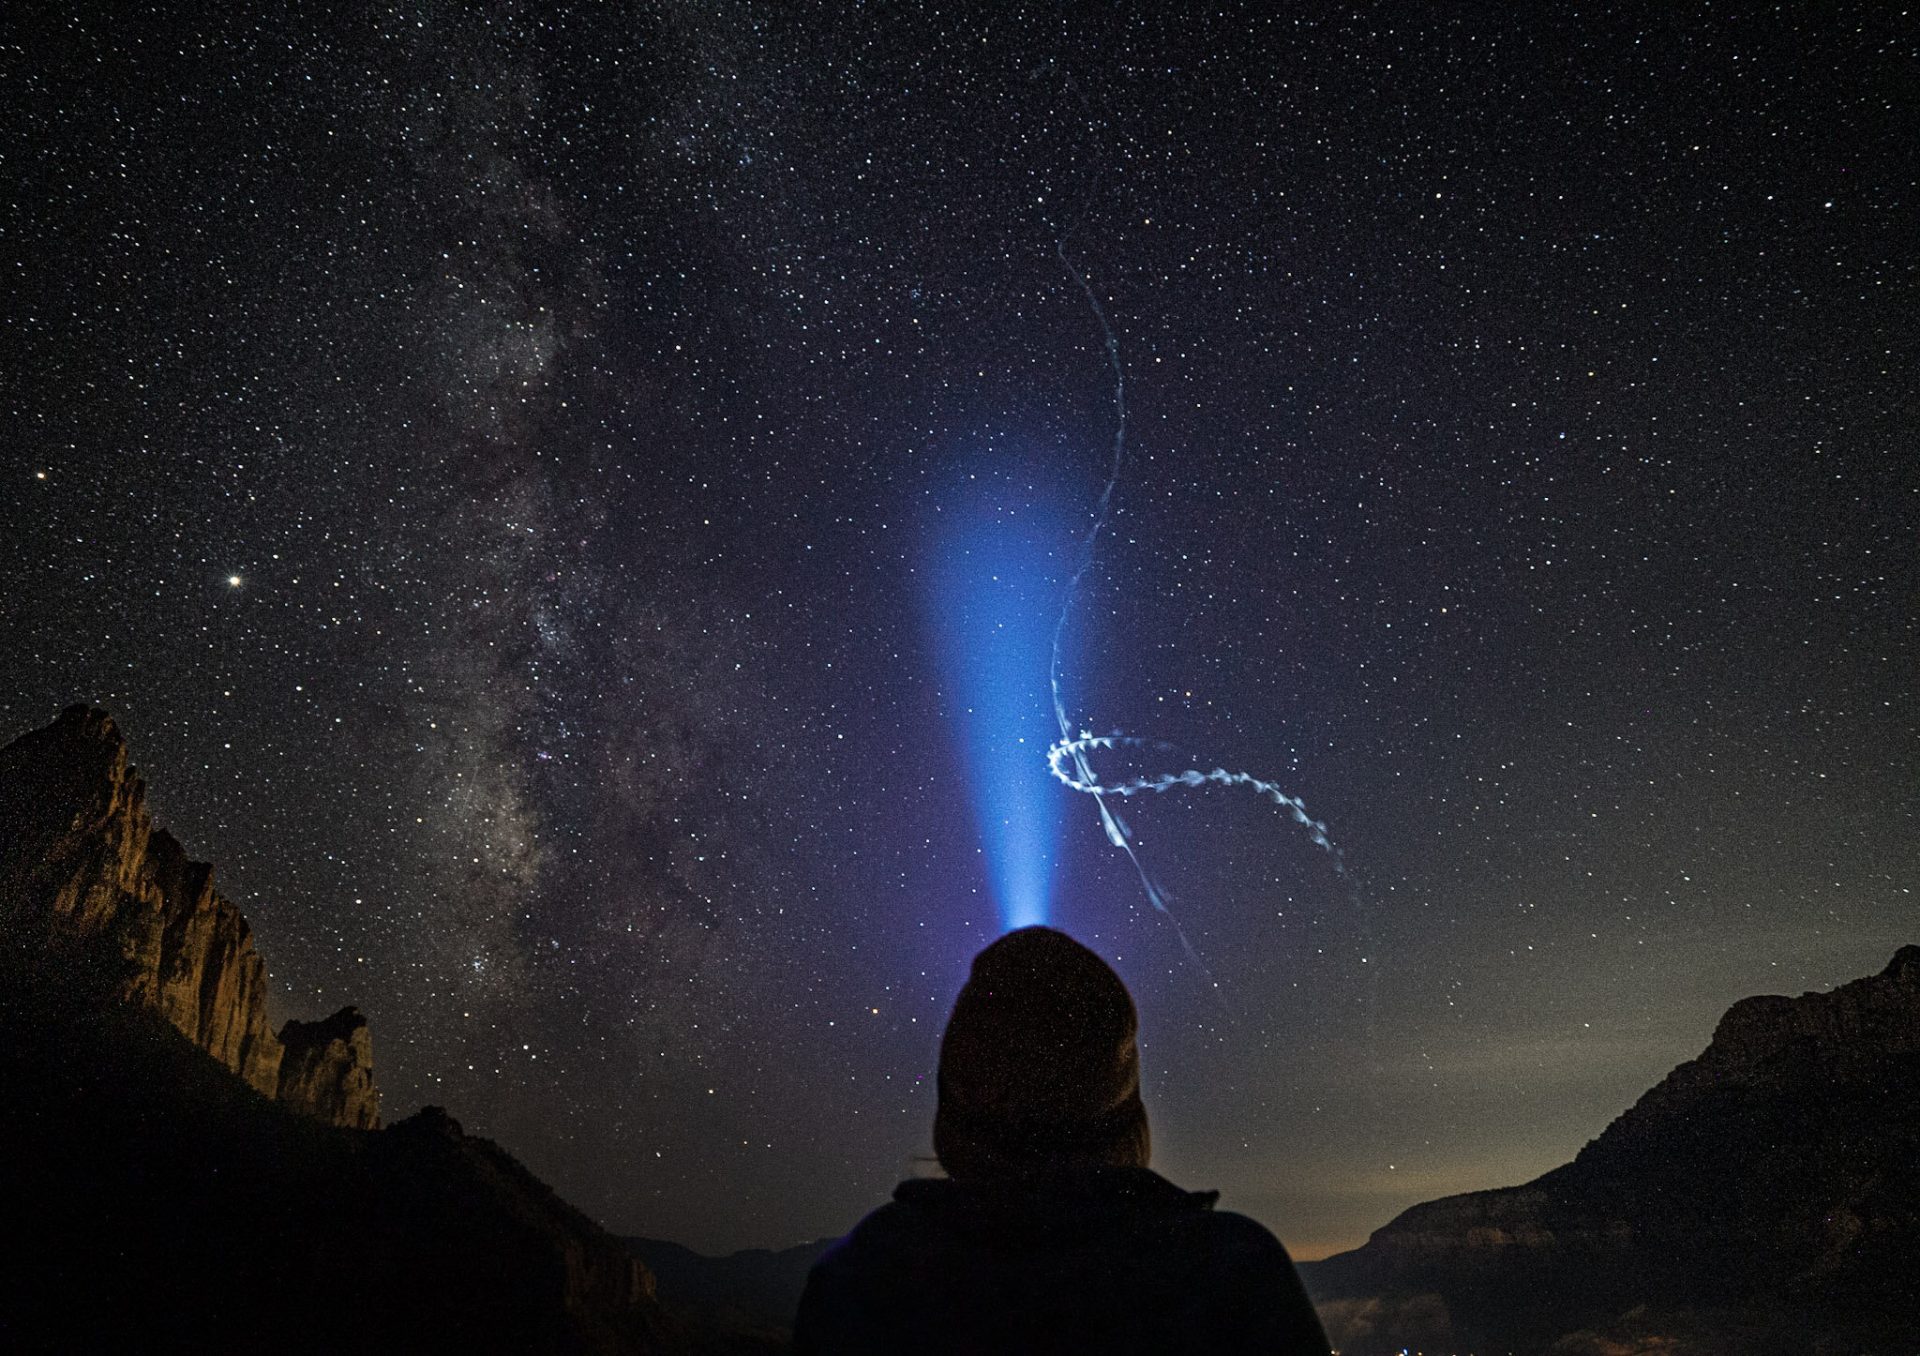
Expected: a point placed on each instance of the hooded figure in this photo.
(1049, 1233)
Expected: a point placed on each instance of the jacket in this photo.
(1108, 1260)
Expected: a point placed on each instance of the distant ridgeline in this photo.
(179, 1177)
(1762, 1199)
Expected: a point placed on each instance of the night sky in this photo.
(522, 480)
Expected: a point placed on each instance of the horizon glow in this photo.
(992, 609)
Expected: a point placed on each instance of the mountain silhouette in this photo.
(1762, 1198)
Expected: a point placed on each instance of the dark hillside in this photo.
(178, 1177)
(166, 1205)
(1760, 1198)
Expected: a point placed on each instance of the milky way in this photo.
(487, 458)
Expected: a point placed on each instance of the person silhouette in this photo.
(1049, 1233)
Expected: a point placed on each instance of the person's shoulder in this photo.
(1243, 1232)
(857, 1290)
(880, 1235)
(1235, 1241)
(876, 1224)
(1254, 1293)
(837, 1304)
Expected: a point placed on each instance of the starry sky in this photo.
(493, 460)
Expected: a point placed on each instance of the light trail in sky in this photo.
(1069, 758)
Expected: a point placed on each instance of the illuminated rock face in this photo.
(117, 904)
(327, 1070)
(187, 1202)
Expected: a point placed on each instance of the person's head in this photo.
(1038, 1068)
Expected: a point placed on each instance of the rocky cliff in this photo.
(115, 903)
(163, 1203)
(1774, 1181)
(1773, 1044)
(326, 1070)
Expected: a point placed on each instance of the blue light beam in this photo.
(995, 589)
